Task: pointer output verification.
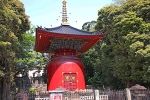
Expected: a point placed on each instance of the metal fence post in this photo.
(96, 94)
(128, 94)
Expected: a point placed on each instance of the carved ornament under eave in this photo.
(62, 43)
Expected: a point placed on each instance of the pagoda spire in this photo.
(64, 13)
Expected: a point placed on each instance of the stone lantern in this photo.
(138, 91)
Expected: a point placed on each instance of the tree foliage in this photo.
(26, 54)
(13, 23)
(89, 26)
(127, 33)
(88, 58)
(95, 73)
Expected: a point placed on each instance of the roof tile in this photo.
(67, 29)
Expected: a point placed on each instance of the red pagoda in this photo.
(65, 43)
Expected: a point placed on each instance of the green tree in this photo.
(95, 73)
(26, 54)
(89, 26)
(89, 59)
(120, 23)
(27, 58)
(13, 23)
(105, 24)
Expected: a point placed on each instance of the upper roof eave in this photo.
(67, 29)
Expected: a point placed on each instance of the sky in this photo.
(47, 13)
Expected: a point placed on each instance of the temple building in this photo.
(65, 43)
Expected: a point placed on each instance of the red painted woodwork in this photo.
(70, 81)
(43, 40)
(65, 43)
(65, 70)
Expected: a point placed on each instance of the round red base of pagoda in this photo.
(66, 71)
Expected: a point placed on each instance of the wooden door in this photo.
(70, 81)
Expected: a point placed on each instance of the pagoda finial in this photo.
(64, 13)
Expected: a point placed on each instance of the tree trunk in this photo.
(1, 90)
(6, 89)
(129, 83)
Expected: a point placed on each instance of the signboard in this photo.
(56, 96)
